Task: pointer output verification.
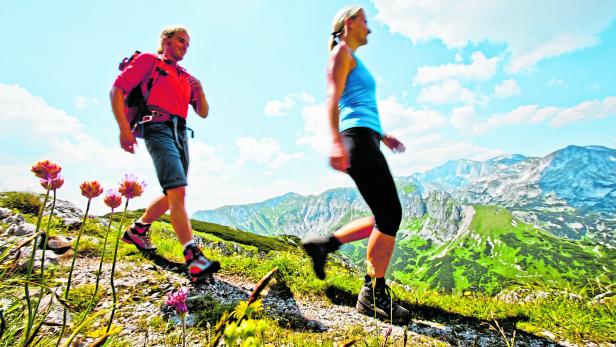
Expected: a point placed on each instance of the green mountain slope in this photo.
(498, 251)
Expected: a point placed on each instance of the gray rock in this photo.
(25, 229)
(72, 223)
(4, 212)
(26, 253)
(17, 219)
(65, 209)
(12, 229)
(59, 244)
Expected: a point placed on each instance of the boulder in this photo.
(58, 244)
(25, 229)
(17, 219)
(26, 253)
(4, 212)
(72, 223)
(12, 229)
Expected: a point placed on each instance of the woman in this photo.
(356, 132)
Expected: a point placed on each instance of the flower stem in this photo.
(70, 273)
(115, 255)
(100, 270)
(46, 240)
(32, 313)
(183, 331)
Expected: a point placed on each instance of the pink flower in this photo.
(46, 169)
(113, 199)
(91, 189)
(178, 300)
(130, 187)
(53, 183)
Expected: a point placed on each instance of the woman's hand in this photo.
(339, 158)
(393, 143)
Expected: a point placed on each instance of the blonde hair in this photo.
(338, 22)
(168, 33)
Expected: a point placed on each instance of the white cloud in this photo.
(276, 108)
(264, 151)
(426, 152)
(531, 30)
(585, 111)
(307, 98)
(84, 102)
(21, 110)
(480, 69)
(556, 82)
(449, 92)
(465, 119)
(507, 88)
(316, 133)
(458, 57)
(395, 115)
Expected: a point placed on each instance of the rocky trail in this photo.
(142, 295)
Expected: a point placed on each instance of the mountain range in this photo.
(458, 216)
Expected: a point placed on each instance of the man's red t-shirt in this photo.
(170, 92)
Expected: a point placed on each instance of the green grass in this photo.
(470, 262)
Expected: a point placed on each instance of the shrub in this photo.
(24, 202)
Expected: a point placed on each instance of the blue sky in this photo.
(454, 81)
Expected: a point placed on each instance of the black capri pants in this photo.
(369, 169)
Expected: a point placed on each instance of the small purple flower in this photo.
(178, 300)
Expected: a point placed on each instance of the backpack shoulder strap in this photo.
(153, 76)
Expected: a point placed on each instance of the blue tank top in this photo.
(358, 102)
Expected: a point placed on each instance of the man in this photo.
(164, 131)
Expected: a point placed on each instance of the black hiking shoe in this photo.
(318, 249)
(199, 267)
(385, 309)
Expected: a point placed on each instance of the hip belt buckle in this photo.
(150, 117)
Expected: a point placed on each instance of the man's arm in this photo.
(127, 140)
(198, 100)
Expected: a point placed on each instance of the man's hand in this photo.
(393, 143)
(127, 141)
(195, 85)
(198, 100)
(339, 158)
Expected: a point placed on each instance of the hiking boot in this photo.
(318, 249)
(137, 235)
(386, 309)
(199, 267)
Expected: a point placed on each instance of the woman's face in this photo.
(359, 28)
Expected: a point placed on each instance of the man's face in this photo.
(176, 46)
